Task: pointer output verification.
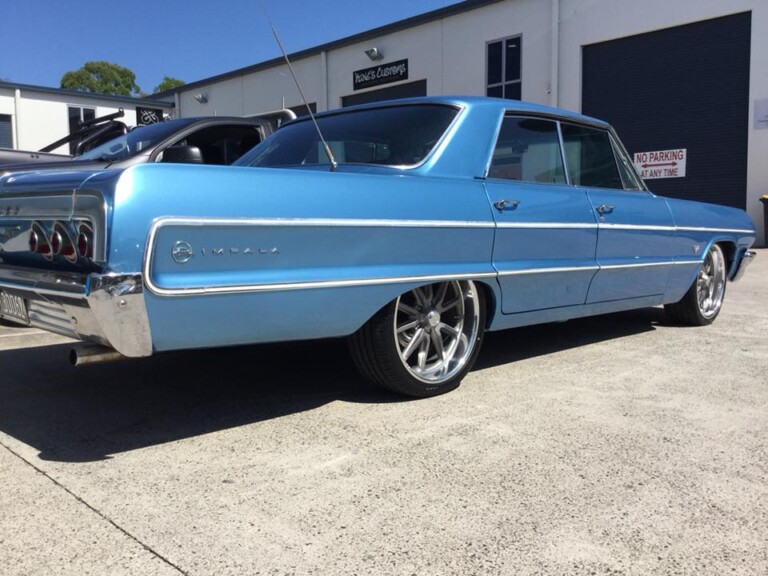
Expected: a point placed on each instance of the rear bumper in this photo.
(105, 308)
(744, 263)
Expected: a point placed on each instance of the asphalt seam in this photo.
(98, 512)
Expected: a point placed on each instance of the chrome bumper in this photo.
(746, 260)
(105, 308)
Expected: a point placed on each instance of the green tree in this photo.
(168, 83)
(102, 78)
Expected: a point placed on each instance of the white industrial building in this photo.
(683, 82)
(687, 76)
(32, 117)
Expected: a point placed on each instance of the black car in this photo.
(205, 140)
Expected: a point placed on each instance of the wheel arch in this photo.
(729, 248)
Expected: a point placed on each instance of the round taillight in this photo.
(38, 241)
(34, 241)
(85, 242)
(56, 242)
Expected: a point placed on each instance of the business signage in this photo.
(661, 163)
(145, 116)
(382, 74)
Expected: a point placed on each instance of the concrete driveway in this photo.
(612, 445)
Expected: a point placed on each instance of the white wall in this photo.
(40, 118)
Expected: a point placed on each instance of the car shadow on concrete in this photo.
(87, 414)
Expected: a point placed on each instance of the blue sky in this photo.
(189, 40)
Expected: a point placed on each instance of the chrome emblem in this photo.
(696, 249)
(182, 252)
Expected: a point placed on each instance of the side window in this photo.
(528, 150)
(590, 157)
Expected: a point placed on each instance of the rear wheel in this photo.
(701, 304)
(424, 342)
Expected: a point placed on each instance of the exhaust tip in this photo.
(93, 354)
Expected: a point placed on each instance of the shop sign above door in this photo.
(382, 74)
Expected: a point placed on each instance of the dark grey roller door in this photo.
(682, 87)
(409, 90)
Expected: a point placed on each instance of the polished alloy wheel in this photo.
(710, 284)
(435, 329)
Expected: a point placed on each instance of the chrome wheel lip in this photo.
(710, 283)
(436, 329)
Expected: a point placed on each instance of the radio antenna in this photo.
(331, 159)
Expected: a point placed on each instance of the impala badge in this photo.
(696, 249)
(182, 252)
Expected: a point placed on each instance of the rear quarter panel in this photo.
(288, 254)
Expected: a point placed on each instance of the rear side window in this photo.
(528, 150)
(591, 161)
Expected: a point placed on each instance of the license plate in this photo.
(13, 307)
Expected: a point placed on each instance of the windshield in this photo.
(391, 136)
(135, 141)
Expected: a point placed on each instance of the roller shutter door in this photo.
(682, 87)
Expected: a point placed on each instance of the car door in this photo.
(546, 231)
(635, 240)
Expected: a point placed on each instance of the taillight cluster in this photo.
(62, 240)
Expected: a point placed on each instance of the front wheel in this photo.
(701, 304)
(423, 343)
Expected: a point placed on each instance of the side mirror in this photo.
(183, 155)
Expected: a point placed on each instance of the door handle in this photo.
(605, 209)
(506, 205)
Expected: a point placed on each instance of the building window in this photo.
(6, 131)
(76, 116)
(504, 60)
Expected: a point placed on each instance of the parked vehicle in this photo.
(204, 140)
(90, 133)
(436, 220)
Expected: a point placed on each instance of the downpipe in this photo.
(93, 354)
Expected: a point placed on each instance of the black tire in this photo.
(423, 343)
(704, 299)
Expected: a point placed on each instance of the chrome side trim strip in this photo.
(548, 225)
(730, 230)
(317, 222)
(650, 228)
(650, 264)
(309, 285)
(548, 270)
(604, 226)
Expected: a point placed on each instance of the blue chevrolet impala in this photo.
(411, 227)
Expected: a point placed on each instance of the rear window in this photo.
(389, 136)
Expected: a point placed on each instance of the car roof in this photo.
(476, 102)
